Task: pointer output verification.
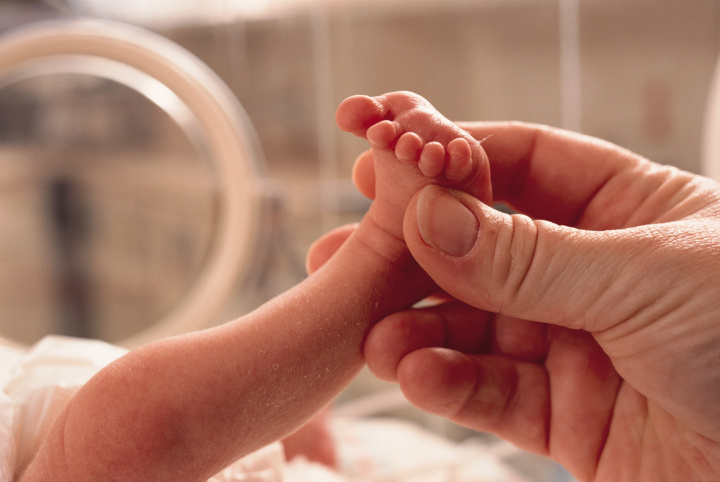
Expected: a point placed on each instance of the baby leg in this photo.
(413, 145)
(199, 401)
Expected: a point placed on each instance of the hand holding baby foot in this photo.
(594, 322)
(413, 145)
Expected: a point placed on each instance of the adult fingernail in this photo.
(445, 223)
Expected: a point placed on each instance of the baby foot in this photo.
(413, 145)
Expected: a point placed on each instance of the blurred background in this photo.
(108, 209)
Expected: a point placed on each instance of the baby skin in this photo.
(412, 146)
(186, 407)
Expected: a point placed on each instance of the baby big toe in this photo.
(357, 113)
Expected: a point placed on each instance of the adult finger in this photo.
(559, 407)
(452, 325)
(566, 177)
(490, 393)
(533, 270)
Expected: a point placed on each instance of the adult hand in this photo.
(589, 331)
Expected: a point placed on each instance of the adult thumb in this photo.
(520, 267)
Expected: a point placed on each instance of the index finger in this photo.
(550, 173)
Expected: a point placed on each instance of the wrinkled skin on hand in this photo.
(589, 326)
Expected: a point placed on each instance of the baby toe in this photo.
(382, 135)
(460, 161)
(408, 147)
(432, 159)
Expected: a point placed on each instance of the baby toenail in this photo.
(445, 223)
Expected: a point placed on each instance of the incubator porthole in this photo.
(129, 190)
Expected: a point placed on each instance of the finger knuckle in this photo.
(515, 257)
